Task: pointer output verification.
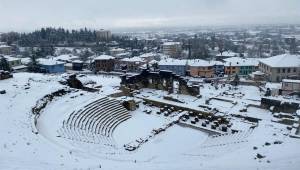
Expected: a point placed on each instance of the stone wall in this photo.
(279, 106)
(162, 80)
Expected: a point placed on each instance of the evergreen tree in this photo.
(4, 65)
(155, 66)
(33, 65)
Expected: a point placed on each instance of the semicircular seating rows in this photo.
(95, 122)
(227, 139)
(218, 145)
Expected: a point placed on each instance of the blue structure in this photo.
(51, 66)
(178, 67)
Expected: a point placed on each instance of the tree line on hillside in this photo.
(51, 36)
(48, 38)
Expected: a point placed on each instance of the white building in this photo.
(281, 67)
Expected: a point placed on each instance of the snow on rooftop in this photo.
(4, 46)
(123, 54)
(171, 61)
(117, 50)
(290, 81)
(20, 67)
(171, 43)
(153, 62)
(200, 63)
(68, 65)
(25, 60)
(77, 61)
(216, 62)
(238, 61)
(10, 58)
(66, 57)
(49, 62)
(133, 59)
(104, 57)
(284, 60)
(195, 62)
(147, 55)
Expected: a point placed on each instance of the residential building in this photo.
(231, 69)
(16, 64)
(240, 66)
(177, 66)
(104, 63)
(172, 49)
(51, 65)
(277, 68)
(5, 49)
(13, 61)
(201, 68)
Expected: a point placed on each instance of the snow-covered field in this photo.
(177, 148)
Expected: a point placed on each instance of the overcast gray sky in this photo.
(24, 15)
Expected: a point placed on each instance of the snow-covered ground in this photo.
(178, 147)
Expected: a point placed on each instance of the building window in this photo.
(283, 70)
(288, 70)
(295, 70)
